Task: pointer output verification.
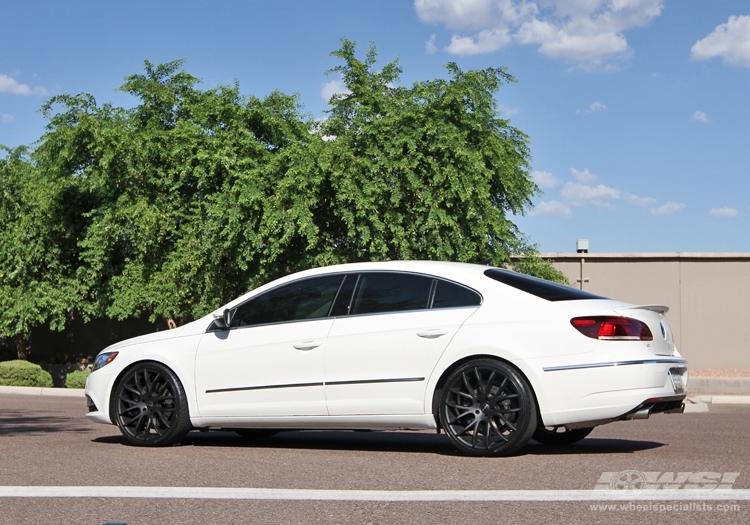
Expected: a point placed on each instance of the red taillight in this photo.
(612, 328)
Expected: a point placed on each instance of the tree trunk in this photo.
(21, 347)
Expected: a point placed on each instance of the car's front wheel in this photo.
(487, 408)
(150, 406)
(560, 436)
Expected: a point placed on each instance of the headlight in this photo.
(103, 359)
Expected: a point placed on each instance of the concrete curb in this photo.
(36, 391)
(720, 386)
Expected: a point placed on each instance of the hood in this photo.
(155, 336)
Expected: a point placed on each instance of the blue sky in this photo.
(637, 110)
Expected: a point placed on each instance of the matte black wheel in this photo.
(255, 433)
(150, 406)
(559, 435)
(487, 408)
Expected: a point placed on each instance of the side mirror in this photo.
(223, 319)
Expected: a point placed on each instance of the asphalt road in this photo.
(46, 441)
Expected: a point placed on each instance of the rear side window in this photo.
(305, 299)
(390, 292)
(450, 295)
(539, 287)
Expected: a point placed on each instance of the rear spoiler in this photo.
(660, 308)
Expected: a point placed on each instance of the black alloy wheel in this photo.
(559, 435)
(487, 408)
(150, 406)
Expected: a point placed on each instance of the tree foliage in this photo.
(192, 196)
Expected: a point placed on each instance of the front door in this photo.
(270, 362)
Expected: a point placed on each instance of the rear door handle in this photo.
(432, 334)
(308, 345)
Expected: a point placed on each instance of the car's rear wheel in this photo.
(487, 408)
(150, 406)
(559, 435)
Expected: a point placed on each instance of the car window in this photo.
(390, 292)
(451, 295)
(539, 287)
(305, 299)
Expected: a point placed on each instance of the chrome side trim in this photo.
(327, 383)
(615, 363)
(370, 381)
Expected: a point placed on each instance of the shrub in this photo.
(77, 379)
(23, 373)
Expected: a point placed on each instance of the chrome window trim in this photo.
(614, 363)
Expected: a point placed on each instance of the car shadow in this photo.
(379, 441)
(15, 422)
(591, 446)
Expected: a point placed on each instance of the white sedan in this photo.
(490, 356)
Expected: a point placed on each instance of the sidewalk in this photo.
(36, 391)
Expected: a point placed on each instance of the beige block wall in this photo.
(708, 296)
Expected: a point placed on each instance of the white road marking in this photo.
(231, 493)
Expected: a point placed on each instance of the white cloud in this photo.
(544, 179)
(7, 117)
(700, 116)
(485, 42)
(588, 32)
(731, 41)
(723, 212)
(635, 200)
(668, 208)
(11, 85)
(578, 194)
(334, 87)
(593, 107)
(430, 46)
(585, 176)
(506, 111)
(552, 208)
(585, 190)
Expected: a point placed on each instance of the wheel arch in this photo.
(438, 390)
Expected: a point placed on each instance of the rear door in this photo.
(386, 341)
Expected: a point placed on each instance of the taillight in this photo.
(611, 328)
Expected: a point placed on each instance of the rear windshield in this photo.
(539, 287)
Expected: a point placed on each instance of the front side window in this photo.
(390, 292)
(300, 300)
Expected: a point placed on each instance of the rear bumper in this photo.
(609, 391)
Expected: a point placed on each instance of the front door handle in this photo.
(308, 345)
(432, 334)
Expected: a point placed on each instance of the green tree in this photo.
(199, 195)
(193, 196)
(427, 171)
(39, 230)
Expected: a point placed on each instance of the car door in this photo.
(270, 360)
(385, 343)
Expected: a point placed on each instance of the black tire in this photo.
(487, 408)
(255, 433)
(150, 407)
(559, 435)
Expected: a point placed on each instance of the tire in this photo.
(487, 408)
(559, 436)
(255, 433)
(150, 406)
